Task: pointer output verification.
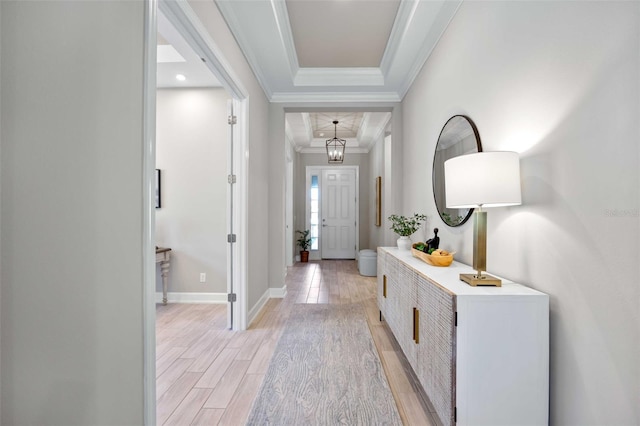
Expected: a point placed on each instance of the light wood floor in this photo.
(207, 375)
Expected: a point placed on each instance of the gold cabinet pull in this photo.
(384, 286)
(416, 325)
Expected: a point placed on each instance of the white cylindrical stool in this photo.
(368, 263)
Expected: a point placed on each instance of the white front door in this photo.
(338, 200)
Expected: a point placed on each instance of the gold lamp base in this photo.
(476, 280)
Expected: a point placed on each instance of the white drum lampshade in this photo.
(487, 179)
(483, 179)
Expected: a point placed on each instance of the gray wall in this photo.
(376, 168)
(192, 152)
(558, 83)
(72, 212)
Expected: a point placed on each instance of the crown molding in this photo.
(334, 97)
(444, 17)
(286, 36)
(316, 150)
(312, 77)
(406, 11)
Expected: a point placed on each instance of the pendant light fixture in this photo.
(336, 146)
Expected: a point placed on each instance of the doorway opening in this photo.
(341, 218)
(234, 219)
(332, 211)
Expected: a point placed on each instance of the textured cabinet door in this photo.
(435, 365)
(394, 316)
(407, 278)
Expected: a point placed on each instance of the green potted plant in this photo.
(405, 227)
(304, 241)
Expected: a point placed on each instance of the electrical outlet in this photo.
(203, 277)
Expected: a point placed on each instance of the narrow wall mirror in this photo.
(459, 136)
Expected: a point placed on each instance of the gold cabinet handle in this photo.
(416, 325)
(384, 286)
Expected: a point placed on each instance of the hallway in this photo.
(207, 375)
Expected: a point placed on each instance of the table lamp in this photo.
(483, 179)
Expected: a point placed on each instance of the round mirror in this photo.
(459, 136)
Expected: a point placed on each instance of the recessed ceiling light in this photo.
(180, 77)
(321, 134)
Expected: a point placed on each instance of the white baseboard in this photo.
(175, 297)
(271, 293)
(253, 313)
(278, 293)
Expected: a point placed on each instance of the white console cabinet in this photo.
(480, 353)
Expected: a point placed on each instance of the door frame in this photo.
(185, 20)
(317, 170)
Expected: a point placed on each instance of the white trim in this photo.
(334, 97)
(406, 11)
(184, 297)
(323, 150)
(253, 313)
(271, 293)
(281, 15)
(278, 293)
(241, 212)
(148, 212)
(313, 77)
(447, 11)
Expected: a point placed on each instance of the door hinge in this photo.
(233, 120)
(455, 320)
(231, 297)
(231, 238)
(231, 179)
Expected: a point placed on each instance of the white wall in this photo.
(557, 82)
(257, 152)
(72, 212)
(192, 153)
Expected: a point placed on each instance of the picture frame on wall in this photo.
(158, 190)
(379, 201)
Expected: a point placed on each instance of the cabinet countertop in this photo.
(448, 277)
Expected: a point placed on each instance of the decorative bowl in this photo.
(431, 259)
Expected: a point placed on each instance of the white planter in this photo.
(404, 243)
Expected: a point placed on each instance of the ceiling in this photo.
(337, 50)
(175, 56)
(329, 51)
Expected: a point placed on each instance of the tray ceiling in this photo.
(337, 51)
